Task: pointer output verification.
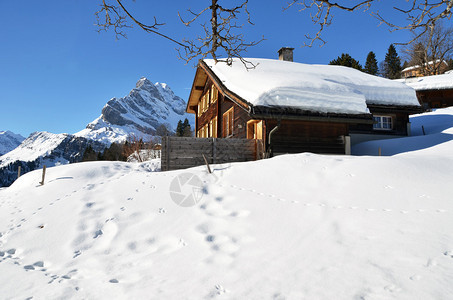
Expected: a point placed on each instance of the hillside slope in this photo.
(293, 227)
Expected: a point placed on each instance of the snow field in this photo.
(299, 226)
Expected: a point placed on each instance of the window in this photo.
(382, 123)
(213, 128)
(205, 102)
(214, 94)
(227, 123)
(203, 132)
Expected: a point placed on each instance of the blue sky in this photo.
(57, 72)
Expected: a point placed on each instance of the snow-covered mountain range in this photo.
(140, 113)
(9, 141)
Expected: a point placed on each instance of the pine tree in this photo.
(371, 65)
(392, 64)
(179, 129)
(186, 130)
(347, 61)
(89, 154)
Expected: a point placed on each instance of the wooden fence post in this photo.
(379, 151)
(18, 171)
(207, 164)
(43, 174)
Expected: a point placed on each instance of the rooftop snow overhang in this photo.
(287, 113)
(395, 108)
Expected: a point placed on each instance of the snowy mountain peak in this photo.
(9, 140)
(144, 83)
(140, 113)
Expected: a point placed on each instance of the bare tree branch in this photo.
(117, 16)
(431, 50)
(220, 39)
(321, 14)
(420, 16)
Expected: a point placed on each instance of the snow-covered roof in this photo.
(418, 66)
(435, 82)
(316, 88)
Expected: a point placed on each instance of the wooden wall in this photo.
(304, 136)
(185, 152)
(435, 98)
(400, 120)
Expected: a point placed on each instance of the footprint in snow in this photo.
(449, 253)
(415, 277)
(77, 253)
(162, 210)
(220, 289)
(36, 265)
(98, 234)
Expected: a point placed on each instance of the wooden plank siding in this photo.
(303, 136)
(435, 98)
(187, 152)
(399, 119)
(240, 118)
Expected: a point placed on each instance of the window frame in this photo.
(380, 121)
(214, 94)
(228, 123)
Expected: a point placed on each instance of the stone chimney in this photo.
(285, 53)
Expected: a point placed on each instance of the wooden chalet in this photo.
(433, 91)
(418, 71)
(225, 102)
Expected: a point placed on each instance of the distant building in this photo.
(417, 71)
(433, 91)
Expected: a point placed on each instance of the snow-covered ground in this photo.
(293, 227)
